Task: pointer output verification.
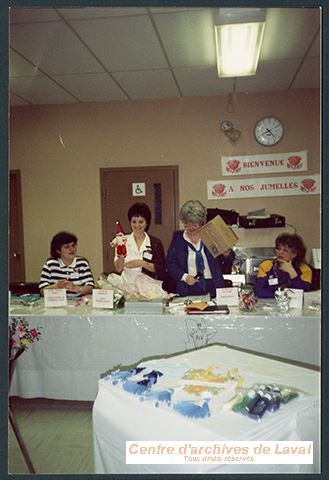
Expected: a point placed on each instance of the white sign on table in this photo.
(296, 296)
(227, 296)
(55, 297)
(102, 298)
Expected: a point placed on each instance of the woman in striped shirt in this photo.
(64, 269)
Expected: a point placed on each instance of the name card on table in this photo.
(237, 279)
(227, 296)
(55, 297)
(102, 298)
(296, 296)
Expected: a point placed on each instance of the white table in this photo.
(119, 416)
(78, 344)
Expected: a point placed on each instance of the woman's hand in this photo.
(191, 280)
(288, 268)
(68, 285)
(134, 263)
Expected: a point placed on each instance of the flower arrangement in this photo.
(21, 336)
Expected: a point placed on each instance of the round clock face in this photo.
(268, 131)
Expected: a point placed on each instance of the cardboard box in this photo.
(217, 236)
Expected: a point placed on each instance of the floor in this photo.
(57, 434)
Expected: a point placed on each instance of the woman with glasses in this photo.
(288, 270)
(194, 270)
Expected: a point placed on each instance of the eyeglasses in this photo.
(191, 225)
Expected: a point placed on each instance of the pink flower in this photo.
(20, 330)
(308, 185)
(294, 162)
(218, 190)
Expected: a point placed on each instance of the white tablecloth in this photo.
(78, 344)
(119, 416)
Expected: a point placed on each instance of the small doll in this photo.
(119, 241)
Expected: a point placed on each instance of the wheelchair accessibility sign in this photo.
(138, 189)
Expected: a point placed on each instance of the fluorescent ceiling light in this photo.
(239, 35)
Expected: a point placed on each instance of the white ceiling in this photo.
(73, 55)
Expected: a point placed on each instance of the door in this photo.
(121, 187)
(16, 238)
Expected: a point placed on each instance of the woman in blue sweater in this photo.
(189, 262)
(288, 270)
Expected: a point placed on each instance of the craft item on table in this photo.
(247, 298)
(162, 396)
(211, 374)
(119, 241)
(260, 399)
(137, 388)
(153, 376)
(27, 299)
(122, 375)
(201, 389)
(204, 307)
(139, 287)
(80, 301)
(288, 394)
(282, 299)
(192, 409)
(141, 386)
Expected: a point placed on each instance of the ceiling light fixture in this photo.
(239, 35)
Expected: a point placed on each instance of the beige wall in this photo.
(60, 149)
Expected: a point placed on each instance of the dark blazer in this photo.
(158, 258)
(176, 263)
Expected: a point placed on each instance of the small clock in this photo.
(268, 131)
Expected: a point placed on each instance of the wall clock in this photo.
(268, 131)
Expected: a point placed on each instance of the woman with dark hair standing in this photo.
(145, 253)
(64, 269)
(288, 270)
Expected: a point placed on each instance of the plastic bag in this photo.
(140, 286)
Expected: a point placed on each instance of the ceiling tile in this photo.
(40, 90)
(148, 84)
(275, 75)
(309, 74)
(16, 101)
(202, 82)
(53, 47)
(188, 37)
(22, 15)
(18, 67)
(91, 87)
(128, 43)
(99, 12)
(288, 32)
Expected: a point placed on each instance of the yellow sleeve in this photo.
(264, 268)
(306, 271)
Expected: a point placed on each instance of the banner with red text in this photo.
(270, 163)
(264, 187)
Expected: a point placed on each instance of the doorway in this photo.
(16, 237)
(121, 187)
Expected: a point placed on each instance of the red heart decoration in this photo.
(294, 161)
(218, 190)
